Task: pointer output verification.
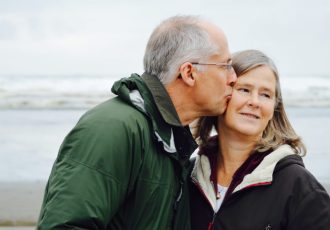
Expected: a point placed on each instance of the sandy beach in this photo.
(17, 228)
(20, 203)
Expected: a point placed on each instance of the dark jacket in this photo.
(123, 165)
(276, 193)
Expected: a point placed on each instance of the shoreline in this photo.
(21, 202)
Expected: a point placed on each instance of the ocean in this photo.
(84, 91)
(36, 112)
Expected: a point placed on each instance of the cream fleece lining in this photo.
(201, 175)
(263, 173)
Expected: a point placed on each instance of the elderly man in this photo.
(125, 164)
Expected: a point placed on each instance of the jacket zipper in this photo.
(211, 223)
(176, 203)
(178, 198)
(214, 213)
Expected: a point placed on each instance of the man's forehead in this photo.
(221, 57)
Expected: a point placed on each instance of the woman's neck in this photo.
(233, 150)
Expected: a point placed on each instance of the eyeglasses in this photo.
(226, 65)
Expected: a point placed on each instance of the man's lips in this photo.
(255, 116)
(228, 97)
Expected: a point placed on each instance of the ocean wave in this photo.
(306, 91)
(54, 92)
(83, 92)
(52, 102)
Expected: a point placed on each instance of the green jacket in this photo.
(123, 166)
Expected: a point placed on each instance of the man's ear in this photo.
(187, 72)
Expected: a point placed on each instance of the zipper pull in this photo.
(268, 227)
(211, 223)
(178, 198)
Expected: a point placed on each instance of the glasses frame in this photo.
(221, 64)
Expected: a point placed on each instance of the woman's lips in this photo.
(251, 115)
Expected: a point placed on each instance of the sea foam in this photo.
(85, 91)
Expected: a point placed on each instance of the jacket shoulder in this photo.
(114, 109)
(110, 130)
(309, 203)
(292, 170)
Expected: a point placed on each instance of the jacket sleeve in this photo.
(313, 212)
(96, 167)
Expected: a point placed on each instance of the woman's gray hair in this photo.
(246, 60)
(279, 130)
(177, 40)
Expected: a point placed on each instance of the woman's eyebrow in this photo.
(237, 84)
(243, 84)
(267, 89)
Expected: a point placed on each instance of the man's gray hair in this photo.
(177, 40)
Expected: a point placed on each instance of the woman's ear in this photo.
(187, 73)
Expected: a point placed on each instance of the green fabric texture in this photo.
(113, 172)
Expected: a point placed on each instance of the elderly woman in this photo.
(251, 175)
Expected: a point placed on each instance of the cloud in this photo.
(110, 36)
(7, 30)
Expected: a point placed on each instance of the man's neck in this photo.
(183, 99)
(182, 103)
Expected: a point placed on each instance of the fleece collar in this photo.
(201, 175)
(261, 174)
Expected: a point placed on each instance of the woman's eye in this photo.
(265, 95)
(243, 90)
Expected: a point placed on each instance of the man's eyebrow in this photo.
(229, 60)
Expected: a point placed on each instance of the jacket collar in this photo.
(162, 99)
(134, 91)
(184, 141)
(263, 173)
(257, 170)
(156, 104)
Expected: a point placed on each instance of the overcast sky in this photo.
(109, 37)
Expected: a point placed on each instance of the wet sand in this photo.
(20, 203)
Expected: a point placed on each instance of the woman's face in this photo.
(252, 103)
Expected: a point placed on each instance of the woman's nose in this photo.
(254, 100)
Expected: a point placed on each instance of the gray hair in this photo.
(244, 61)
(279, 130)
(175, 41)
